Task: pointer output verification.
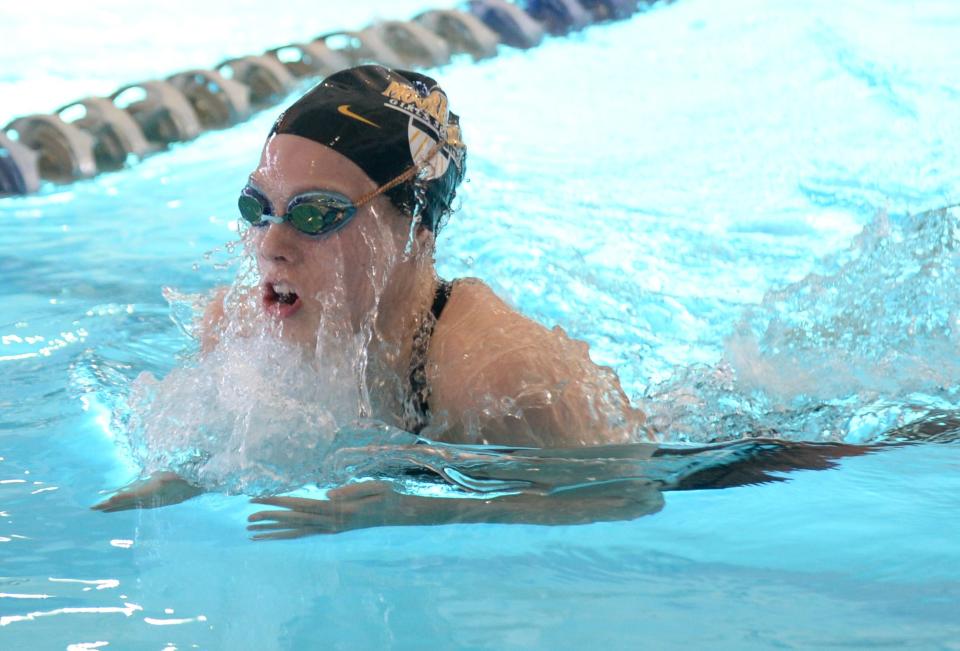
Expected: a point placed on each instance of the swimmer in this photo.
(354, 183)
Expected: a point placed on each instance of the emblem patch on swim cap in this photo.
(423, 142)
(428, 125)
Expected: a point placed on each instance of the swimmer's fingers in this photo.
(288, 534)
(328, 515)
(123, 502)
(356, 506)
(324, 519)
(118, 502)
(376, 488)
(301, 504)
(340, 501)
(288, 519)
(160, 489)
(352, 493)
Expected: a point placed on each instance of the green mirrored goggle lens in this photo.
(315, 217)
(250, 209)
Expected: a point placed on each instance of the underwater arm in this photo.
(377, 504)
(571, 486)
(159, 489)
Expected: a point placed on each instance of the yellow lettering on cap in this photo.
(434, 104)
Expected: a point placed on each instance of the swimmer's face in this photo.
(330, 281)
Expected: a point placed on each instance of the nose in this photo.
(278, 243)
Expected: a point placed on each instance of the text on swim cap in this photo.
(434, 104)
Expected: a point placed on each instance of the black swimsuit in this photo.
(417, 405)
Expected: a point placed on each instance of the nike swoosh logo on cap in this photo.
(344, 109)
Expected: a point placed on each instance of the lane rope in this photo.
(101, 134)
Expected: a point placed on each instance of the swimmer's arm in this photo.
(159, 489)
(376, 504)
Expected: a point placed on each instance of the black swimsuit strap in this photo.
(417, 407)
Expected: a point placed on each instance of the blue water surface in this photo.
(685, 190)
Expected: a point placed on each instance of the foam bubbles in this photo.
(251, 415)
(256, 413)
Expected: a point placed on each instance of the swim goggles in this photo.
(312, 213)
(319, 212)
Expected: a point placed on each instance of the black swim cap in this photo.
(387, 121)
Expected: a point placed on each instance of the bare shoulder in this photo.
(500, 377)
(477, 324)
(478, 335)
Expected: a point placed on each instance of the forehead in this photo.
(291, 165)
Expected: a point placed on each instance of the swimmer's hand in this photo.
(159, 489)
(377, 504)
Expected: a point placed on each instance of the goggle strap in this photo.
(411, 172)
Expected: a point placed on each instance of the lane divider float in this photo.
(100, 134)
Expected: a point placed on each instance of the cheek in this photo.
(322, 266)
(251, 238)
(367, 264)
(356, 261)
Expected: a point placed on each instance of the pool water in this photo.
(734, 204)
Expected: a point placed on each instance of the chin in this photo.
(299, 333)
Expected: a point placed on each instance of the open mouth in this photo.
(280, 299)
